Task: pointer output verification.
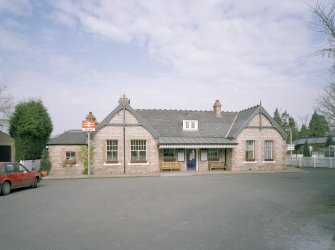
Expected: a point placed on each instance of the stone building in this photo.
(149, 141)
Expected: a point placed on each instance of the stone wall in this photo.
(57, 156)
(133, 131)
(259, 136)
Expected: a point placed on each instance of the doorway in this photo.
(191, 160)
(5, 153)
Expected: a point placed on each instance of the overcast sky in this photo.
(81, 56)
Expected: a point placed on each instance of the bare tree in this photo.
(6, 107)
(324, 13)
(326, 103)
(304, 120)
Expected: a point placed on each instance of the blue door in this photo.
(191, 159)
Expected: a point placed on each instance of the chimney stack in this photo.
(90, 117)
(123, 99)
(217, 108)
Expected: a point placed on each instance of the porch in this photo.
(195, 154)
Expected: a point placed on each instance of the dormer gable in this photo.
(190, 125)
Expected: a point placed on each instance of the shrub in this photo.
(84, 158)
(45, 162)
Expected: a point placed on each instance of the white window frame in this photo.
(138, 151)
(112, 146)
(190, 125)
(70, 155)
(250, 148)
(268, 150)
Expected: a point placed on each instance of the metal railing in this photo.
(311, 162)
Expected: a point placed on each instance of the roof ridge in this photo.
(185, 110)
(256, 106)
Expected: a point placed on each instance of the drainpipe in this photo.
(124, 138)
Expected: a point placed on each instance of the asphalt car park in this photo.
(228, 211)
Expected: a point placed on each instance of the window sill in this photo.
(138, 163)
(250, 162)
(269, 161)
(112, 164)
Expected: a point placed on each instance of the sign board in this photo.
(290, 147)
(88, 125)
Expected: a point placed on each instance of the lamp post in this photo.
(88, 153)
(89, 126)
(291, 140)
(291, 144)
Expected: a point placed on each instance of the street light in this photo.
(89, 126)
(291, 144)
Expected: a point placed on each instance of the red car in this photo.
(15, 175)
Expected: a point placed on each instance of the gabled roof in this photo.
(167, 125)
(126, 106)
(5, 134)
(70, 137)
(244, 117)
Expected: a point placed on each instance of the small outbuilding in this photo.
(7, 147)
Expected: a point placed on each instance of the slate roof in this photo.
(70, 137)
(244, 117)
(311, 140)
(122, 106)
(4, 133)
(167, 125)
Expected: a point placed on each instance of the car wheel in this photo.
(35, 182)
(5, 189)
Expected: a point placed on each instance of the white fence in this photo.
(32, 164)
(311, 162)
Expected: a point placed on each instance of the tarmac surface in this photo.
(282, 210)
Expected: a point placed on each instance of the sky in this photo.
(81, 56)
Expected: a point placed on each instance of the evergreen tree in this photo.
(287, 123)
(277, 117)
(329, 141)
(30, 126)
(306, 152)
(304, 133)
(293, 127)
(318, 126)
(329, 152)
